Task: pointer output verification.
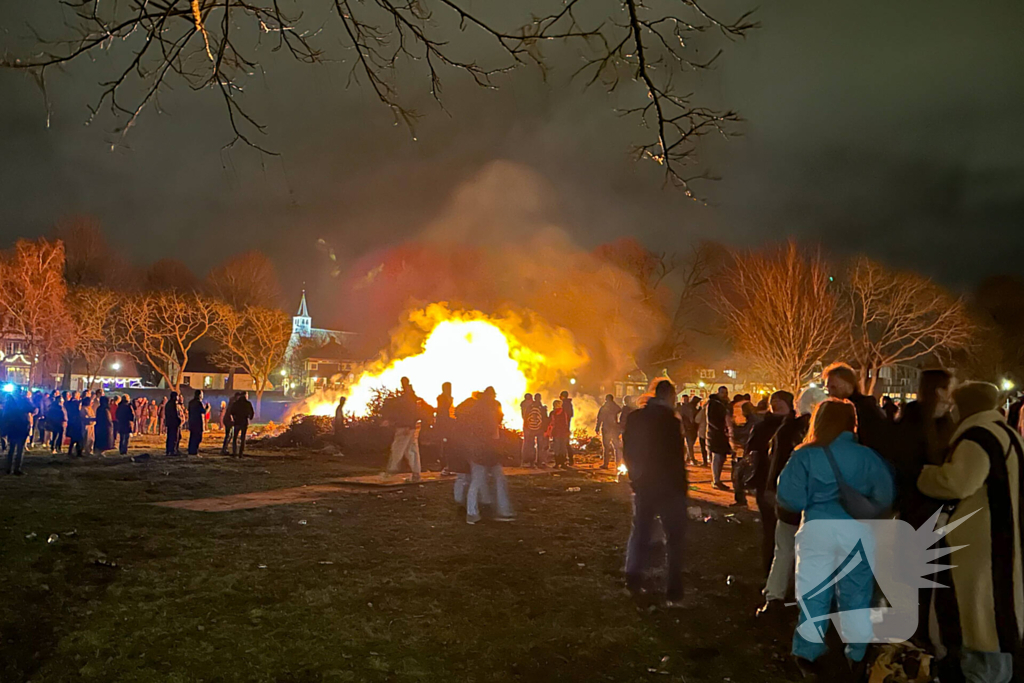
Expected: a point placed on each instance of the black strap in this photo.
(835, 467)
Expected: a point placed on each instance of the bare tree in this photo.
(643, 49)
(94, 313)
(246, 279)
(163, 327)
(254, 339)
(640, 267)
(781, 310)
(898, 317)
(89, 259)
(169, 274)
(33, 304)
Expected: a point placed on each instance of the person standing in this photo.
(403, 412)
(56, 423)
(981, 615)
(88, 410)
(125, 419)
(75, 429)
(687, 410)
(873, 430)
(196, 422)
(444, 416)
(543, 445)
(608, 429)
(161, 417)
(718, 435)
(18, 418)
(103, 427)
(654, 452)
(810, 484)
(889, 408)
(570, 412)
(241, 414)
(484, 427)
(172, 423)
(533, 434)
(701, 420)
(339, 423)
(558, 432)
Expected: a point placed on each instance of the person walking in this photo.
(339, 423)
(608, 429)
(172, 424)
(558, 432)
(241, 414)
(196, 422)
(75, 429)
(981, 615)
(56, 423)
(718, 435)
(228, 422)
(829, 458)
(654, 452)
(103, 427)
(125, 419)
(483, 428)
(18, 418)
(404, 412)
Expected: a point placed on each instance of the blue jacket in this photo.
(807, 483)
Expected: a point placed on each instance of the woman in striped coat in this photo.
(981, 615)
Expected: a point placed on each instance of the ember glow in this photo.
(473, 351)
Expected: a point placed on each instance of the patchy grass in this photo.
(378, 586)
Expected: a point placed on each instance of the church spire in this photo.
(303, 311)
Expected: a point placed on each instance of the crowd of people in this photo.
(92, 422)
(844, 456)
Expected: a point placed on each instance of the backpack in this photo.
(856, 504)
(534, 420)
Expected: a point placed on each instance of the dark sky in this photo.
(890, 128)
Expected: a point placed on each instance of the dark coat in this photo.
(482, 424)
(242, 412)
(718, 433)
(920, 441)
(196, 415)
(654, 451)
(18, 414)
(56, 416)
(125, 417)
(104, 434)
(787, 437)
(756, 449)
(172, 413)
(873, 429)
(73, 409)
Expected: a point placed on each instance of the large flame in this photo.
(471, 350)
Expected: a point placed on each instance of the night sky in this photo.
(890, 128)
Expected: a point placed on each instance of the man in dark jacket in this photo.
(56, 423)
(241, 413)
(196, 422)
(873, 430)
(718, 435)
(124, 420)
(75, 428)
(19, 412)
(229, 429)
(654, 452)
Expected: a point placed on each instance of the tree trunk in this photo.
(259, 402)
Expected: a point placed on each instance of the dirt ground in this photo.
(360, 583)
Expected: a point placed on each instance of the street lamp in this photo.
(1007, 384)
(116, 365)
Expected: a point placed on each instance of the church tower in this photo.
(302, 324)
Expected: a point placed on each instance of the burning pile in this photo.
(472, 350)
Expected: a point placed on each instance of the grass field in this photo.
(385, 585)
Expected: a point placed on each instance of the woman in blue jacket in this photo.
(808, 485)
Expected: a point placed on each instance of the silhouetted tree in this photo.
(246, 279)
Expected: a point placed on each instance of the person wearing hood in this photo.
(172, 423)
(196, 422)
(654, 452)
(980, 615)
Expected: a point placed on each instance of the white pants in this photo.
(406, 446)
(781, 574)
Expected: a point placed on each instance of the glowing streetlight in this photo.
(572, 381)
(813, 385)
(284, 373)
(116, 365)
(1007, 385)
